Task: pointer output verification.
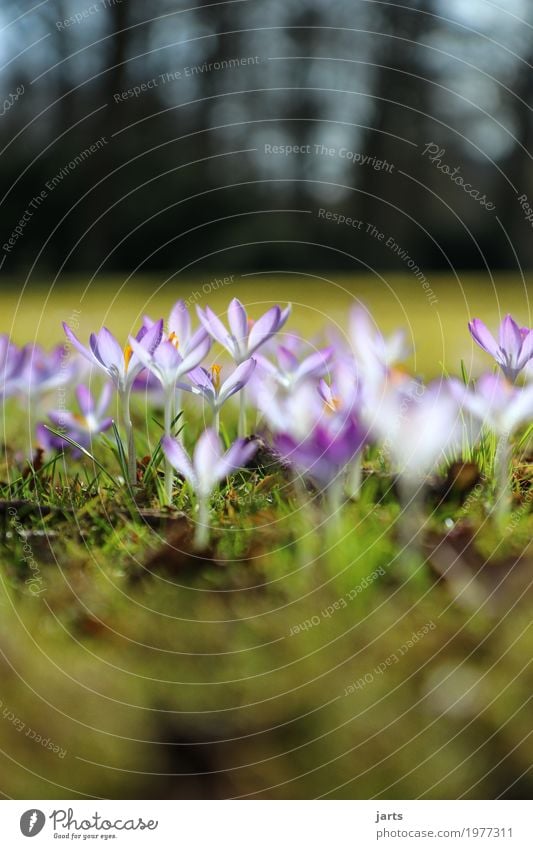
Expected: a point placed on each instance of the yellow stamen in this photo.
(173, 339)
(333, 405)
(128, 353)
(215, 375)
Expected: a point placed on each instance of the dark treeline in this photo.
(249, 134)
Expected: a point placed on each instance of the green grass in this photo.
(264, 668)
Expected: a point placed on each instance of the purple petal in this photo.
(206, 456)
(167, 357)
(179, 322)
(483, 337)
(510, 337)
(235, 458)
(85, 352)
(105, 398)
(178, 458)
(526, 351)
(284, 316)
(201, 377)
(152, 336)
(238, 320)
(214, 326)
(198, 336)
(195, 356)
(85, 400)
(109, 351)
(237, 380)
(286, 359)
(104, 425)
(315, 365)
(141, 357)
(263, 329)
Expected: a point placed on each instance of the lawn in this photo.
(295, 657)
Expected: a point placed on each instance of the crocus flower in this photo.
(325, 452)
(122, 365)
(207, 467)
(12, 362)
(81, 427)
(289, 371)
(512, 351)
(496, 403)
(45, 371)
(208, 384)
(503, 408)
(244, 336)
(373, 351)
(180, 331)
(169, 366)
(419, 426)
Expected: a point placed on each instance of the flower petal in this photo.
(315, 365)
(179, 322)
(85, 352)
(179, 459)
(238, 320)
(236, 380)
(85, 399)
(206, 456)
(526, 351)
(109, 351)
(195, 356)
(214, 327)
(510, 337)
(484, 338)
(287, 360)
(263, 329)
(235, 457)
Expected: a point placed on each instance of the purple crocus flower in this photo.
(503, 408)
(12, 363)
(245, 336)
(207, 467)
(82, 427)
(418, 427)
(169, 366)
(496, 403)
(326, 452)
(208, 384)
(289, 371)
(122, 365)
(512, 351)
(180, 331)
(44, 371)
(372, 350)
(167, 363)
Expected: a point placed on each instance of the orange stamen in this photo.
(128, 353)
(173, 339)
(215, 375)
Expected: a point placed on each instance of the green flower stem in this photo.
(169, 471)
(130, 438)
(355, 477)
(242, 415)
(502, 474)
(201, 536)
